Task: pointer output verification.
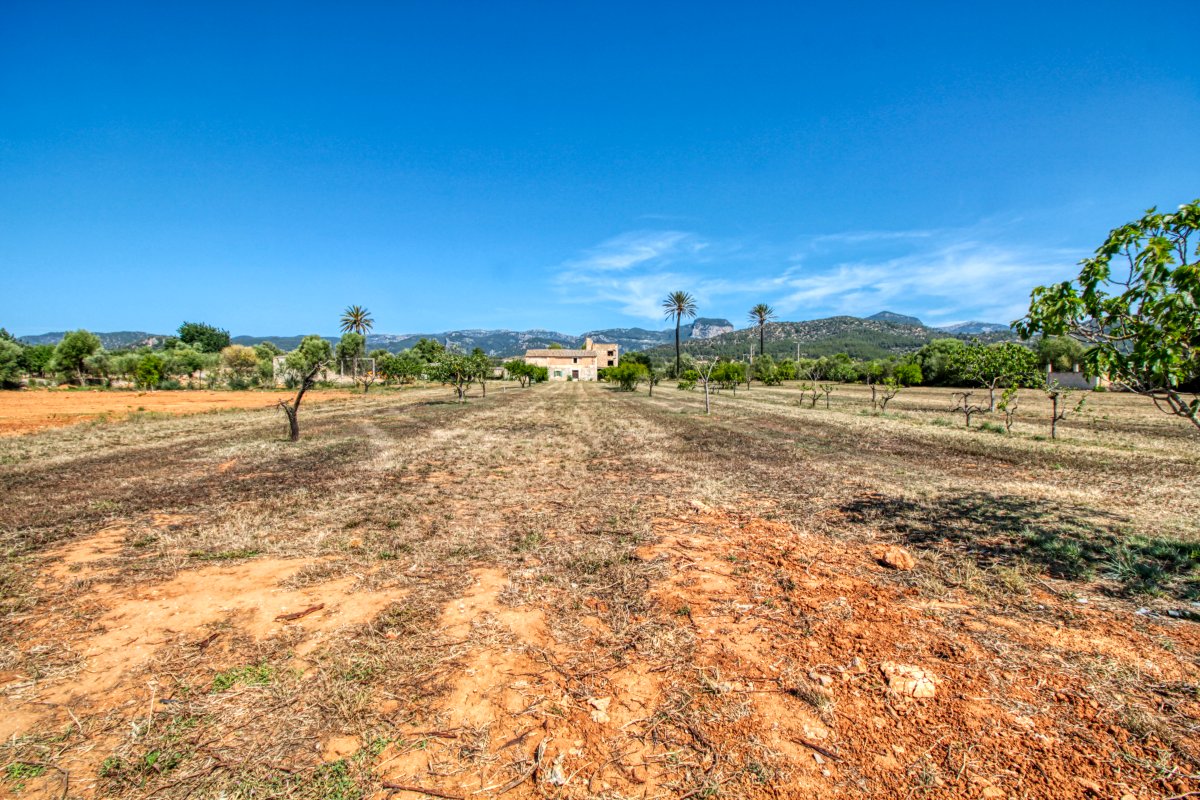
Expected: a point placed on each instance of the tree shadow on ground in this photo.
(1074, 543)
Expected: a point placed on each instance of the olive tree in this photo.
(204, 337)
(1061, 353)
(304, 363)
(10, 364)
(1137, 303)
(186, 361)
(241, 362)
(100, 365)
(74, 348)
(36, 359)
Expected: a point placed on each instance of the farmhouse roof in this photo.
(561, 353)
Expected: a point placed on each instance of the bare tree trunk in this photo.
(293, 410)
(293, 424)
(677, 360)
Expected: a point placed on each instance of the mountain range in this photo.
(876, 336)
(493, 342)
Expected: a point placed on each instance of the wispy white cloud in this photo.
(638, 248)
(948, 282)
(943, 276)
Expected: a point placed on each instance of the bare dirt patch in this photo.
(126, 628)
(33, 409)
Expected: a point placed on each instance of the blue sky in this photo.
(564, 165)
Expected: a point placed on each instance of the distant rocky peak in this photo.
(897, 319)
(708, 327)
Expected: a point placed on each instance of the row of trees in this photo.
(943, 362)
(427, 360)
(1132, 315)
(80, 358)
(1004, 369)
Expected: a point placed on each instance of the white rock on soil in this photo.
(909, 680)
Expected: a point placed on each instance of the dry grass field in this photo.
(572, 592)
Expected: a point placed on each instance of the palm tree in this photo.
(679, 305)
(358, 320)
(760, 315)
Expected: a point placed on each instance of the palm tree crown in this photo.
(761, 314)
(357, 319)
(679, 305)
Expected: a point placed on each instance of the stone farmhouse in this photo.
(577, 365)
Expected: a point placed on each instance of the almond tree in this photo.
(1009, 402)
(1137, 303)
(1059, 395)
(705, 371)
(964, 406)
(995, 366)
(456, 369)
(889, 388)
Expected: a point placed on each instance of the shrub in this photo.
(628, 375)
(148, 373)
